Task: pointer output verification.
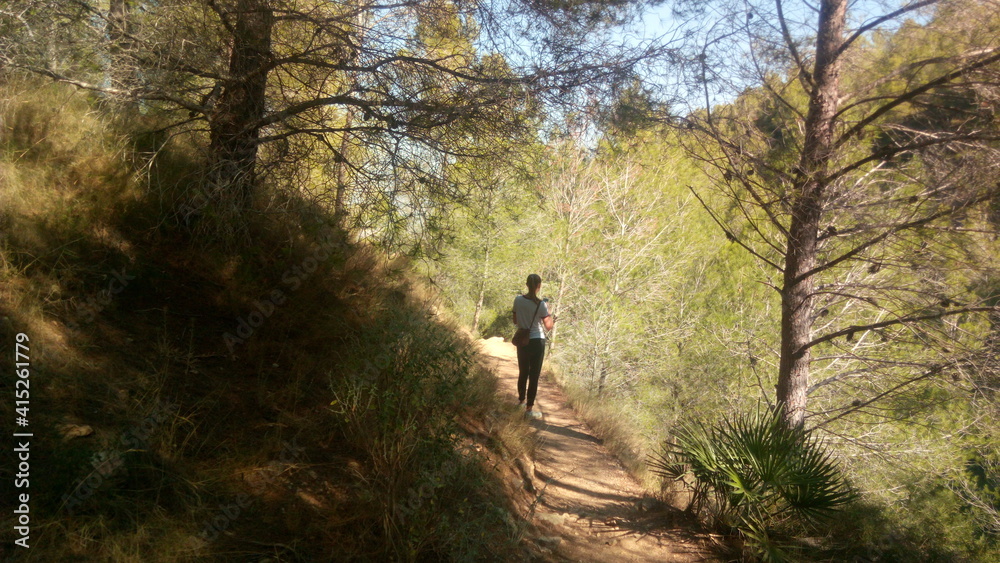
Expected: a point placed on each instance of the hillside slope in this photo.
(288, 397)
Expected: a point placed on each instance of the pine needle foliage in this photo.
(756, 476)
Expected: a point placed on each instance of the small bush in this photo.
(756, 476)
(500, 325)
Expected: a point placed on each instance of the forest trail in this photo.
(589, 507)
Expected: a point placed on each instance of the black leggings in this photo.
(529, 364)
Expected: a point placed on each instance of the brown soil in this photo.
(588, 507)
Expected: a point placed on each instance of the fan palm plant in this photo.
(756, 475)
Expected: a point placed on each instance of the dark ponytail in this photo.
(534, 281)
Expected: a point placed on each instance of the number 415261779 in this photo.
(23, 372)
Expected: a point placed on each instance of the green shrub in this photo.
(756, 476)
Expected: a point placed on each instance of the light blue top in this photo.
(524, 308)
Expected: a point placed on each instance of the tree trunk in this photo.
(596, 370)
(340, 200)
(235, 123)
(807, 210)
(339, 204)
(551, 340)
(482, 291)
(121, 73)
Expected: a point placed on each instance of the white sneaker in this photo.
(533, 414)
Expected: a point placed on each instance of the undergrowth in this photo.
(294, 399)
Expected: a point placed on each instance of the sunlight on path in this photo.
(590, 507)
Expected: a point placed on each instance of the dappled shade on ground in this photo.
(586, 499)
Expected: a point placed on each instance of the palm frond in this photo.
(764, 473)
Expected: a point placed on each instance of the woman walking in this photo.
(531, 313)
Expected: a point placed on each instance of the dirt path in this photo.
(589, 507)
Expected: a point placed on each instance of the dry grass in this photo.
(378, 467)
